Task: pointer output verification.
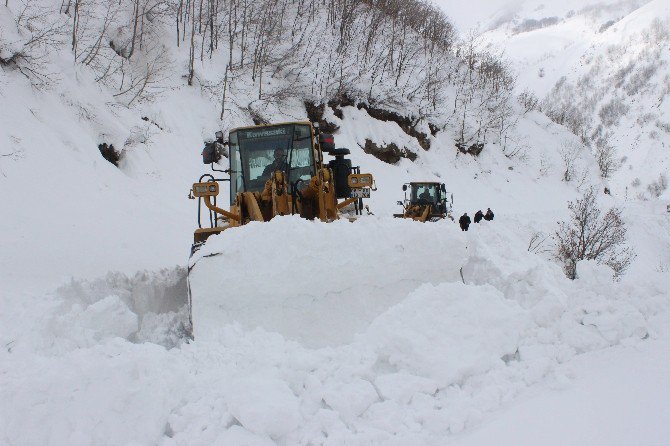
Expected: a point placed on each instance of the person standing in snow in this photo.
(478, 216)
(464, 222)
(489, 215)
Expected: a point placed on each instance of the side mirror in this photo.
(400, 203)
(404, 187)
(209, 154)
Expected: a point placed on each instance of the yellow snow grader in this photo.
(276, 170)
(427, 201)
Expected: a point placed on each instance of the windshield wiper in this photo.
(244, 180)
(290, 158)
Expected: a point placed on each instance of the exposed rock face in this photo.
(315, 114)
(341, 101)
(257, 117)
(407, 124)
(472, 149)
(390, 153)
(404, 122)
(109, 153)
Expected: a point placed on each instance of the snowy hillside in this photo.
(546, 40)
(382, 331)
(601, 69)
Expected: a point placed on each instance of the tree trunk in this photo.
(191, 56)
(223, 98)
(75, 26)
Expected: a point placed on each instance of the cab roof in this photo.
(249, 127)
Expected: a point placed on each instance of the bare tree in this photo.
(528, 101)
(589, 235)
(41, 31)
(14, 155)
(656, 188)
(394, 54)
(191, 52)
(143, 79)
(605, 155)
(569, 153)
(538, 243)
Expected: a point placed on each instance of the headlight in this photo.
(359, 180)
(208, 189)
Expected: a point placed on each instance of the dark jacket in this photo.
(464, 221)
(488, 216)
(478, 216)
(278, 164)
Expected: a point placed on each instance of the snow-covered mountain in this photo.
(600, 68)
(378, 332)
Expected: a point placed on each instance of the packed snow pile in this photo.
(413, 353)
(150, 306)
(314, 282)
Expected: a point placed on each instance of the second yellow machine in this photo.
(427, 201)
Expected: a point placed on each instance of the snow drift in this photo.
(314, 282)
(412, 353)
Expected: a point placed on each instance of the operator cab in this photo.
(257, 152)
(425, 193)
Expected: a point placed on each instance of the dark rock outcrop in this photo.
(472, 149)
(407, 124)
(390, 153)
(315, 114)
(109, 153)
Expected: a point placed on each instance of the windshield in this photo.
(425, 193)
(258, 152)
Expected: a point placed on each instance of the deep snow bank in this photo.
(314, 282)
(434, 360)
(149, 306)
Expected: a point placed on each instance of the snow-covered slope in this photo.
(384, 331)
(602, 69)
(547, 40)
